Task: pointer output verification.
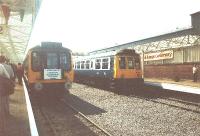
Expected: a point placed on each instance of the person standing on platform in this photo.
(11, 74)
(20, 73)
(3, 74)
(194, 72)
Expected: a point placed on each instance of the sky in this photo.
(88, 25)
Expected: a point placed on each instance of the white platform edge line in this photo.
(181, 88)
(32, 124)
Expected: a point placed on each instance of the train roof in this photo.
(106, 54)
(49, 46)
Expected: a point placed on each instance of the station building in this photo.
(171, 55)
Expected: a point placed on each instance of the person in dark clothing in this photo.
(20, 73)
(3, 98)
(14, 67)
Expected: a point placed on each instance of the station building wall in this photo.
(180, 66)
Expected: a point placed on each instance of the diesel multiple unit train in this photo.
(50, 67)
(115, 69)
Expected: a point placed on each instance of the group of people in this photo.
(8, 73)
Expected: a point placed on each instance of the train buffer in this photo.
(187, 86)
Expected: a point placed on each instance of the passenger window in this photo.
(98, 64)
(82, 64)
(78, 65)
(105, 63)
(91, 64)
(111, 63)
(122, 63)
(87, 64)
(131, 62)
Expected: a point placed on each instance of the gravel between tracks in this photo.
(127, 116)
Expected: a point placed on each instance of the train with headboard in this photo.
(49, 67)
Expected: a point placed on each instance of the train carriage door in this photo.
(121, 67)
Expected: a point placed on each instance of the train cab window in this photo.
(105, 63)
(122, 63)
(36, 61)
(78, 65)
(52, 61)
(65, 61)
(130, 62)
(137, 63)
(98, 64)
(87, 64)
(82, 64)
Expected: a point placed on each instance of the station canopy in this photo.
(16, 22)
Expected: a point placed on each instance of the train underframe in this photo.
(122, 85)
(56, 89)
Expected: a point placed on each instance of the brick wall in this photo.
(183, 71)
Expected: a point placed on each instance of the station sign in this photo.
(52, 74)
(167, 54)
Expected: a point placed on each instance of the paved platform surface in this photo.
(187, 86)
(18, 123)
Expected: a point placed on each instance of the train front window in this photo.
(130, 61)
(137, 63)
(52, 61)
(122, 63)
(36, 61)
(65, 61)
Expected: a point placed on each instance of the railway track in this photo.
(59, 118)
(89, 120)
(168, 98)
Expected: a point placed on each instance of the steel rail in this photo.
(48, 121)
(84, 116)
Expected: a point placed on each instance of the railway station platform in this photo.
(183, 85)
(17, 123)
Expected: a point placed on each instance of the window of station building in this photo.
(98, 64)
(78, 65)
(105, 63)
(131, 62)
(122, 63)
(82, 64)
(87, 64)
(36, 61)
